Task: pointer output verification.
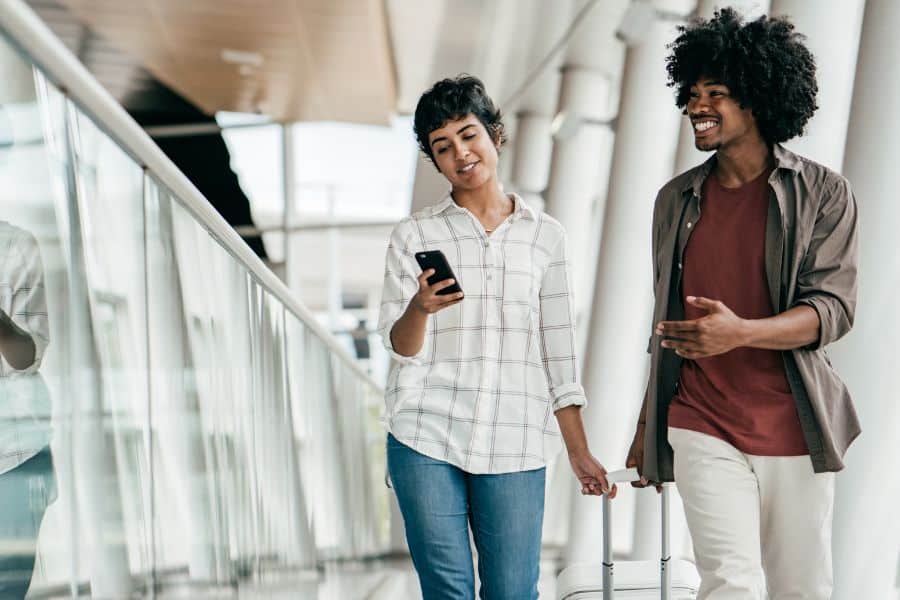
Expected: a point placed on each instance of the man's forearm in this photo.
(794, 328)
(408, 333)
(16, 345)
(572, 429)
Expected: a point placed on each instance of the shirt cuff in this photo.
(568, 394)
(824, 322)
(417, 359)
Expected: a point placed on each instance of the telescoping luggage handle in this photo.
(665, 576)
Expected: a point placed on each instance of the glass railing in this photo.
(184, 420)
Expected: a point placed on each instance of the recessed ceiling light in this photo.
(241, 57)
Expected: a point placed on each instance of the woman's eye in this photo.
(441, 150)
(468, 137)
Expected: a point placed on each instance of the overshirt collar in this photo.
(784, 159)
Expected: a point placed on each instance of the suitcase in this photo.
(633, 580)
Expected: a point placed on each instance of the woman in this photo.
(478, 373)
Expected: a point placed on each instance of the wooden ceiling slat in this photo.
(322, 58)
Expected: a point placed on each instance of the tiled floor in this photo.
(387, 580)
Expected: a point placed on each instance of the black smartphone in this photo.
(435, 259)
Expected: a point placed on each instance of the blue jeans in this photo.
(25, 493)
(440, 501)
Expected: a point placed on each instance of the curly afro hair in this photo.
(764, 63)
(451, 99)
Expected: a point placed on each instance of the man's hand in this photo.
(591, 474)
(427, 299)
(717, 333)
(636, 457)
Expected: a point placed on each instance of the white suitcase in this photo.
(666, 579)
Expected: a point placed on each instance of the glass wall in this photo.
(165, 417)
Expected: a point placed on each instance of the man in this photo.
(755, 255)
(27, 483)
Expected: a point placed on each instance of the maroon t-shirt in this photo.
(742, 396)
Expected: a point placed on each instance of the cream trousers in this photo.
(759, 523)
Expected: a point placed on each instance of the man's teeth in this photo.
(704, 125)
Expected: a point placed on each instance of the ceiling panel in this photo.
(321, 59)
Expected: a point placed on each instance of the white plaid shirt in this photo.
(481, 392)
(24, 400)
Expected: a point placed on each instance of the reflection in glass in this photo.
(203, 434)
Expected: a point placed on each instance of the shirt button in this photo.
(689, 225)
(679, 266)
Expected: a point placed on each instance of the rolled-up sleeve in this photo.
(29, 299)
(827, 279)
(400, 285)
(557, 331)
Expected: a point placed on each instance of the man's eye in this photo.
(693, 95)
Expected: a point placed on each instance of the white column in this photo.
(531, 160)
(616, 362)
(866, 526)
(688, 155)
(530, 134)
(594, 57)
(583, 149)
(832, 28)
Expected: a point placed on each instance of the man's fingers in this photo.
(705, 303)
(685, 345)
(677, 326)
(692, 354)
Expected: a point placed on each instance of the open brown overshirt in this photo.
(812, 252)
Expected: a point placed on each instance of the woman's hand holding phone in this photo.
(427, 299)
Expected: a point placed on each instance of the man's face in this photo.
(717, 119)
(464, 152)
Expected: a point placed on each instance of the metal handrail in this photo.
(26, 30)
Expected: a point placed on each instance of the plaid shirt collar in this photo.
(520, 211)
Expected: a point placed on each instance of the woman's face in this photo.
(464, 152)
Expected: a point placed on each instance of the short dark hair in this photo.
(764, 63)
(451, 99)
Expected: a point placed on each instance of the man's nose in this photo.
(700, 104)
